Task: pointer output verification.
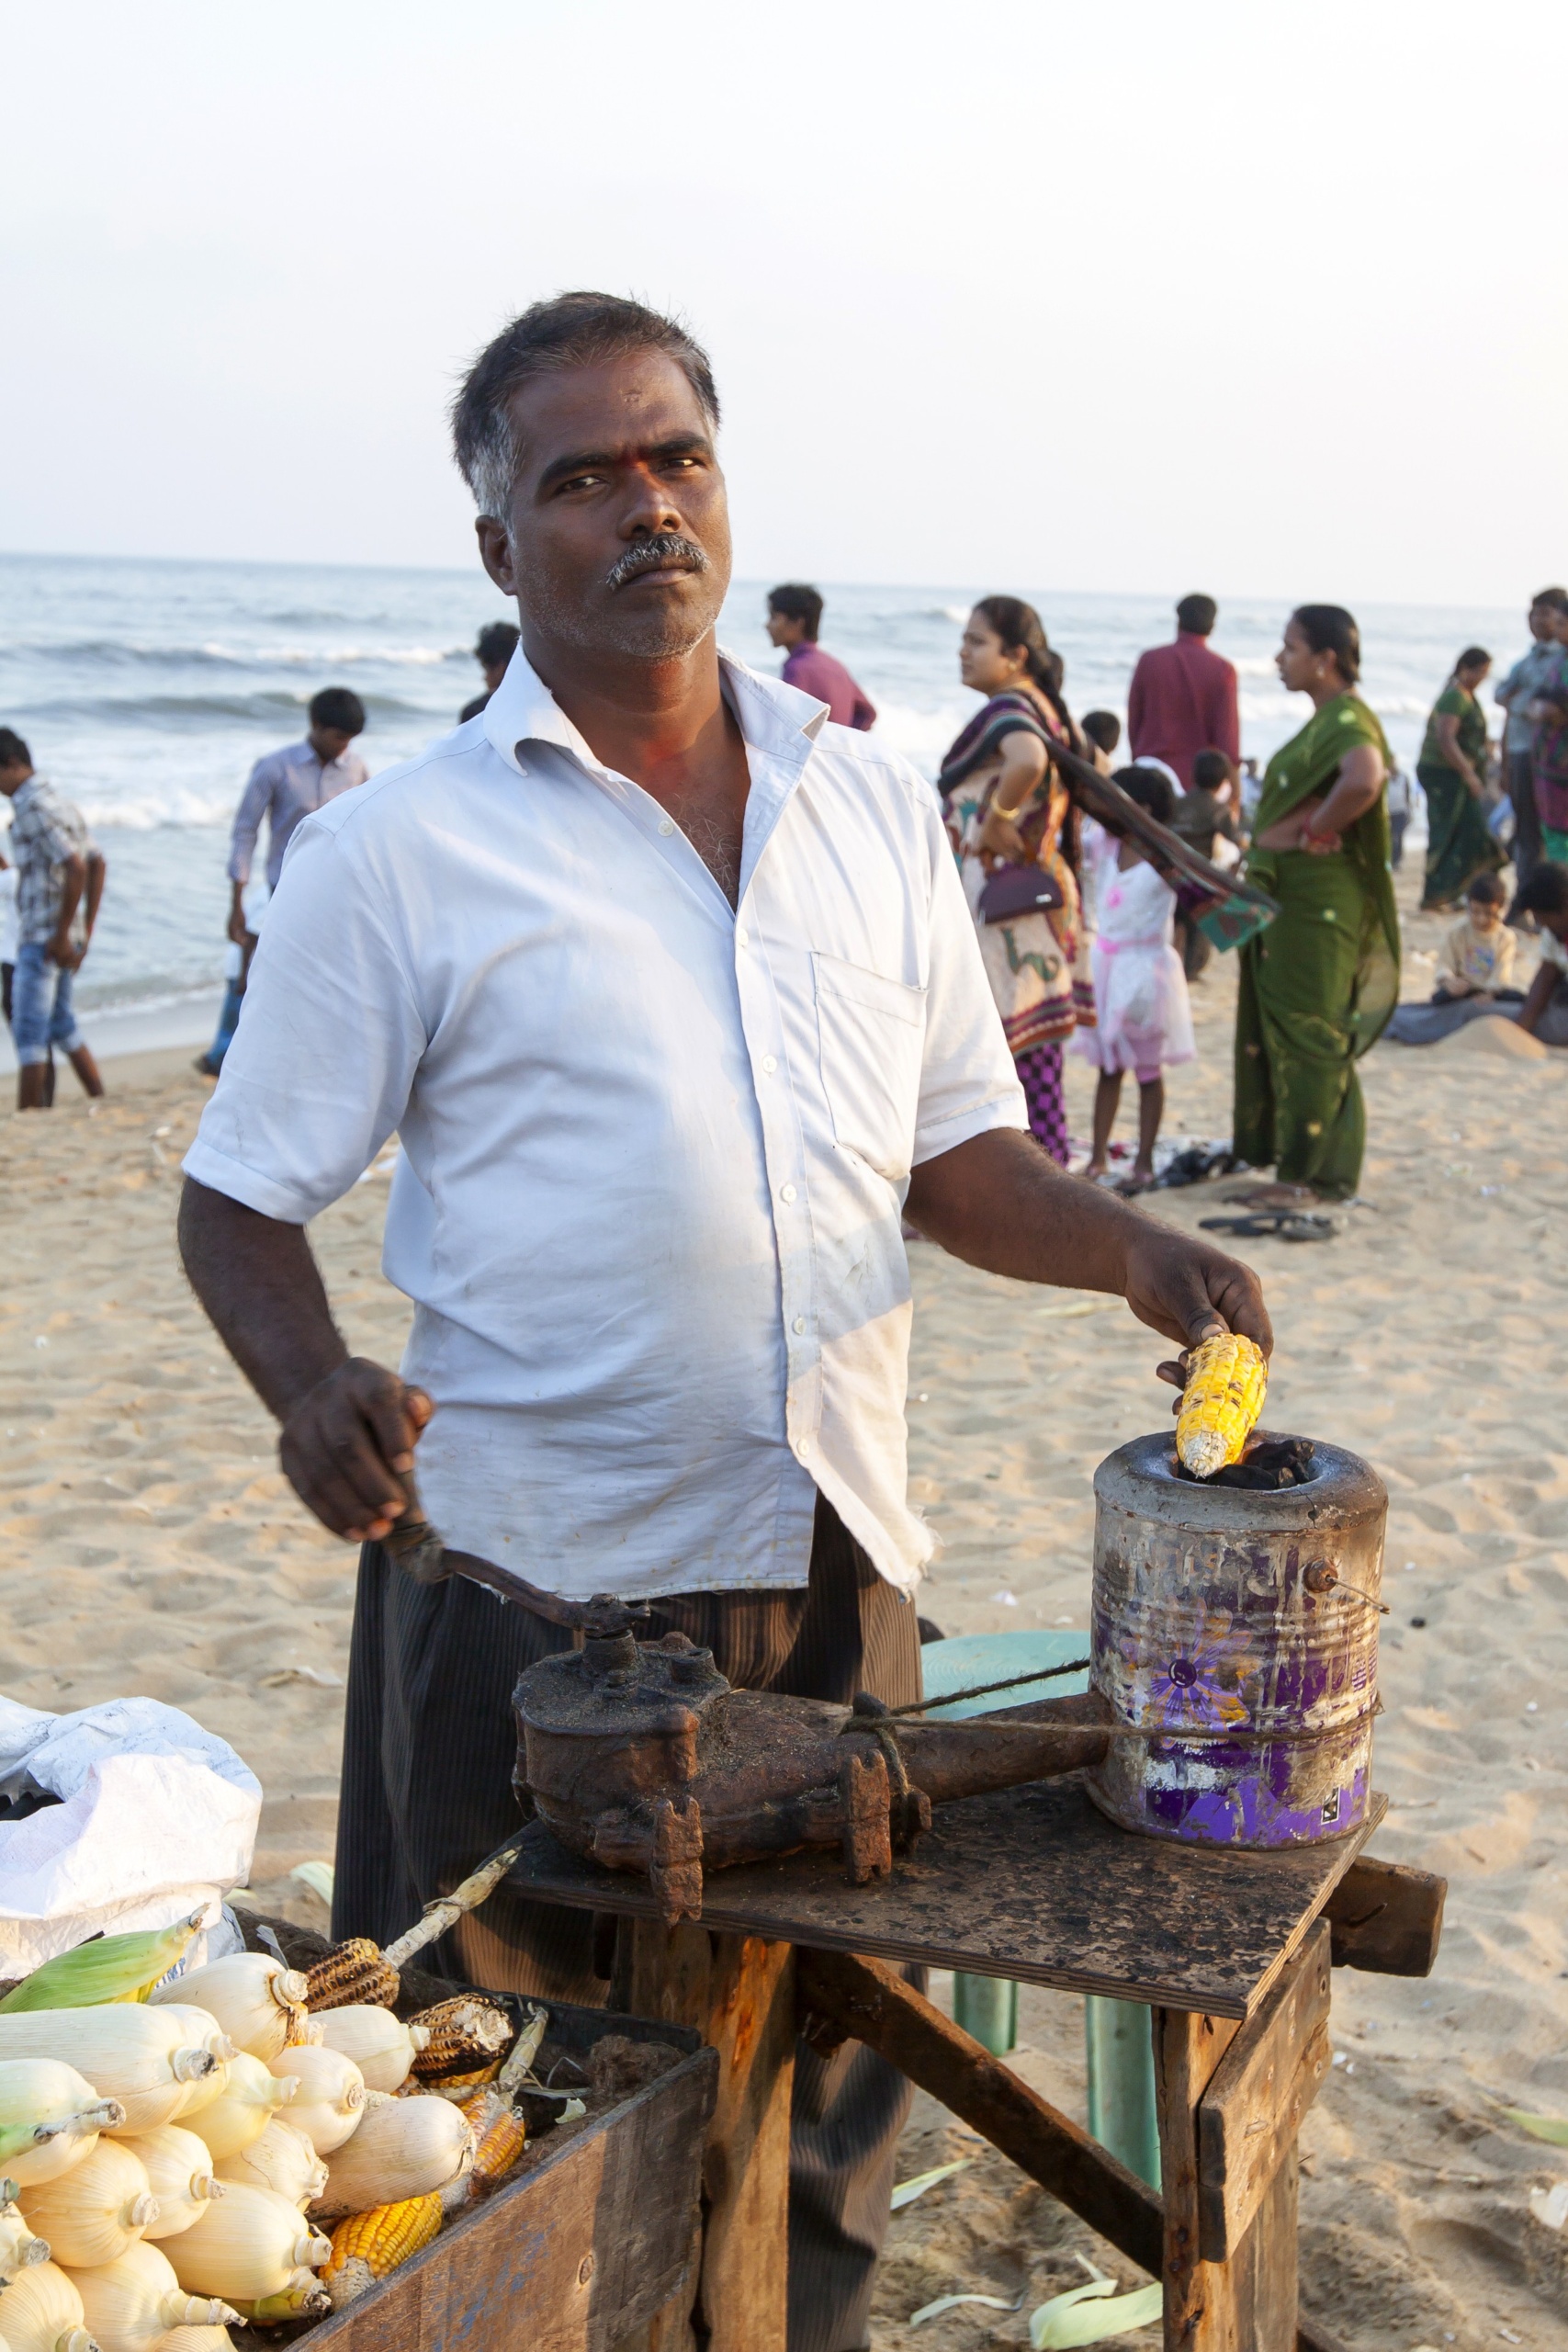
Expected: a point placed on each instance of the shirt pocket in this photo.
(871, 1036)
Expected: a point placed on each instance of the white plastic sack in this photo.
(158, 1819)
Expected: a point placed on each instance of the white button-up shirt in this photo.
(654, 1150)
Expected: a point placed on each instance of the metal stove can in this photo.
(1218, 1607)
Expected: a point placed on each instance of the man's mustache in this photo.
(653, 555)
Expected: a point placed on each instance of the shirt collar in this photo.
(773, 718)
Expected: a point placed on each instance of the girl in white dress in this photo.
(1143, 1017)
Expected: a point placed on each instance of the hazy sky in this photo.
(1110, 295)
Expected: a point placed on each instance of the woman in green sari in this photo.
(1452, 773)
(1318, 987)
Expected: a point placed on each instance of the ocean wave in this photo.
(276, 707)
(214, 654)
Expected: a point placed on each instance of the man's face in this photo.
(329, 744)
(14, 774)
(783, 628)
(1542, 623)
(618, 541)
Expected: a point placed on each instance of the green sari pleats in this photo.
(1318, 987)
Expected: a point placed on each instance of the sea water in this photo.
(146, 690)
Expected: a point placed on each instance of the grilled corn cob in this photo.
(465, 2035)
(1226, 1381)
(368, 2246)
(355, 1973)
(499, 2133)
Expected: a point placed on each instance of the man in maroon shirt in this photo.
(795, 615)
(1182, 699)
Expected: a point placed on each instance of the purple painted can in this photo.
(1217, 1608)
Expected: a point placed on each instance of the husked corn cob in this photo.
(465, 2035)
(1226, 1381)
(355, 1973)
(498, 2135)
(368, 2246)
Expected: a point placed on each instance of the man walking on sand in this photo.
(795, 617)
(285, 786)
(1182, 699)
(60, 887)
(665, 1075)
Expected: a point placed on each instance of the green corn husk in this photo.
(113, 1968)
(305, 2299)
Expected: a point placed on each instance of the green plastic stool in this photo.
(1117, 2039)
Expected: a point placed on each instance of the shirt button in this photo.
(803, 1445)
(743, 937)
(665, 826)
(799, 1324)
(770, 1063)
(786, 1192)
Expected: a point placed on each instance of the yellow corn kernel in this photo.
(368, 2246)
(353, 1974)
(498, 2135)
(1226, 1382)
(465, 2035)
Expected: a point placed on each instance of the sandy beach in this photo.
(151, 1544)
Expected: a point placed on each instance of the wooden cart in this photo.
(1232, 1949)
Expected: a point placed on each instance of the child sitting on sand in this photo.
(1144, 1018)
(1477, 954)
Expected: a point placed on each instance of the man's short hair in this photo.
(1196, 616)
(1488, 890)
(1556, 598)
(1211, 770)
(335, 706)
(796, 602)
(1545, 892)
(495, 644)
(581, 330)
(14, 752)
(1103, 728)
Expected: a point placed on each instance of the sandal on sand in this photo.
(1279, 1224)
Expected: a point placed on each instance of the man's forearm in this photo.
(998, 1202)
(261, 1286)
(97, 869)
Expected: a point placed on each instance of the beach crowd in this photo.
(1091, 923)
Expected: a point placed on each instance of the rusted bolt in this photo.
(1320, 1575)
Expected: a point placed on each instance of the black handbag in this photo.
(1014, 890)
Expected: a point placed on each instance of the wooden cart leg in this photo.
(739, 1992)
(1231, 2099)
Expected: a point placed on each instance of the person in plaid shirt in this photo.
(60, 887)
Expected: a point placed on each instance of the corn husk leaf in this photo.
(907, 2190)
(111, 1968)
(318, 1877)
(1553, 2128)
(950, 2302)
(1063, 2322)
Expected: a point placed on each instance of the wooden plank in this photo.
(1387, 1918)
(871, 2001)
(739, 1992)
(1249, 2117)
(1266, 2267)
(573, 2256)
(1031, 1883)
(1200, 2312)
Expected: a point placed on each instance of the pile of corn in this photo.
(174, 2160)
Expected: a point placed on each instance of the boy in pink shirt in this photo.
(795, 615)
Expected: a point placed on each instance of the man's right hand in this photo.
(348, 1447)
(238, 932)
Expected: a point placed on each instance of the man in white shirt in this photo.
(670, 990)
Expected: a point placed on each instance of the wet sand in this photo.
(151, 1544)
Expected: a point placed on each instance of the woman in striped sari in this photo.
(1007, 806)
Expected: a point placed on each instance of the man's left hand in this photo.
(63, 951)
